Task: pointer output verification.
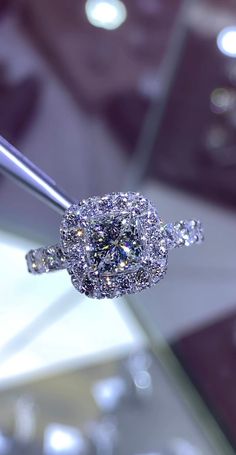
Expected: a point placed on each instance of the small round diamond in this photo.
(109, 243)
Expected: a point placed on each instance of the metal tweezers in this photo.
(14, 164)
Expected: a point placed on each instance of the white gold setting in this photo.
(114, 245)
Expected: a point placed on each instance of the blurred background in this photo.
(110, 95)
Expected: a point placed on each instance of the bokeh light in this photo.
(226, 41)
(108, 14)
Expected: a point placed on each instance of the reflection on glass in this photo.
(104, 436)
(5, 445)
(25, 419)
(108, 393)
(62, 439)
(180, 446)
(222, 100)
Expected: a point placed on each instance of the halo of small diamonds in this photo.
(113, 245)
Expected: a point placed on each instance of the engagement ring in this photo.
(114, 245)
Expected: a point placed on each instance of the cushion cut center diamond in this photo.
(116, 244)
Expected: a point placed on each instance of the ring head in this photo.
(114, 245)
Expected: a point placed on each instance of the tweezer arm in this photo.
(21, 169)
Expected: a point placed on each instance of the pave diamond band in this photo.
(183, 233)
(180, 233)
(114, 245)
(42, 260)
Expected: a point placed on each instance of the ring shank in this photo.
(180, 233)
(46, 259)
(184, 233)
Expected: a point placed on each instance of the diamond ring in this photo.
(114, 245)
